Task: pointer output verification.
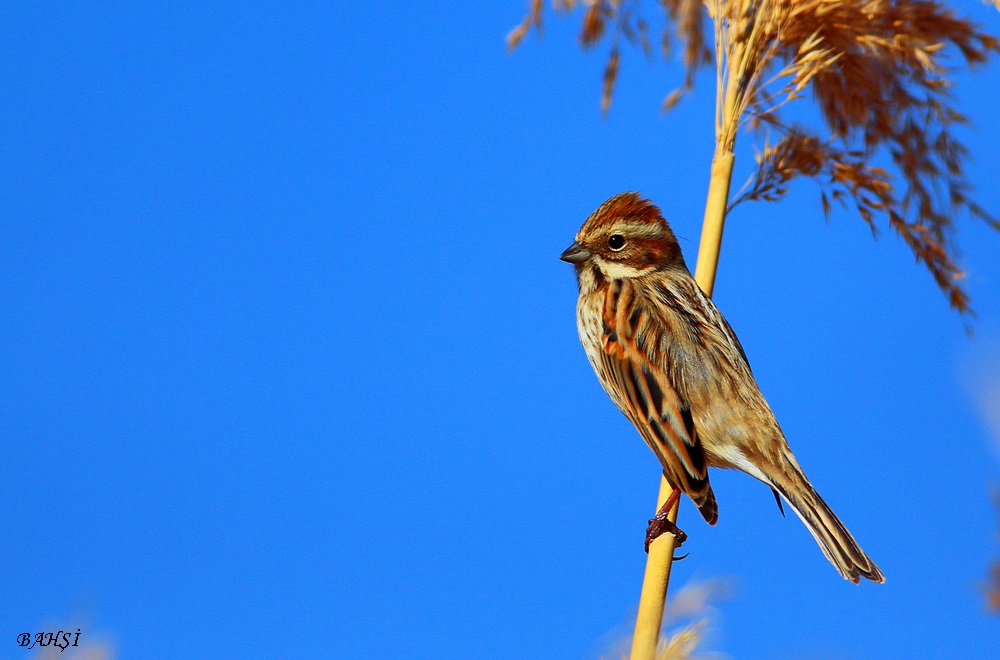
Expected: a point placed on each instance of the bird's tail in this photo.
(836, 542)
(707, 506)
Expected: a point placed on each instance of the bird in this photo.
(672, 364)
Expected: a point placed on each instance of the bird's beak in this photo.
(575, 253)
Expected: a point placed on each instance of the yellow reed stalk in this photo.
(661, 552)
(715, 219)
(654, 585)
(656, 579)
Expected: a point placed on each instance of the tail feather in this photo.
(707, 506)
(836, 542)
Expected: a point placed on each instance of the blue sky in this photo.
(290, 367)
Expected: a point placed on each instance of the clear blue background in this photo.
(290, 367)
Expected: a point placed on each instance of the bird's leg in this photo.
(660, 523)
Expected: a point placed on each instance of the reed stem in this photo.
(657, 577)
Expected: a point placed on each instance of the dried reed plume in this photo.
(992, 587)
(877, 71)
(688, 623)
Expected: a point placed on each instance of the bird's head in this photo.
(625, 237)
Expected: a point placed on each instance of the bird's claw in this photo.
(660, 524)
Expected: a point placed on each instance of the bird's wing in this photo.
(644, 392)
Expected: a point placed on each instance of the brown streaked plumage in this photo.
(674, 367)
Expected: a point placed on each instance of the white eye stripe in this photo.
(638, 230)
(618, 271)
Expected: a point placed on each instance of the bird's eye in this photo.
(616, 242)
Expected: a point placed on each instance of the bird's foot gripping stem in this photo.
(660, 523)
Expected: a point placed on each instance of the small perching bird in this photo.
(674, 367)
